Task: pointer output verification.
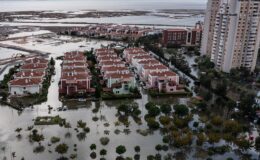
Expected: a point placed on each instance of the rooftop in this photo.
(160, 66)
(121, 76)
(26, 82)
(29, 74)
(163, 74)
(34, 66)
(36, 60)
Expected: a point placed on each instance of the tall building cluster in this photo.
(231, 34)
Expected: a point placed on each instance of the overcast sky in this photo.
(180, 1)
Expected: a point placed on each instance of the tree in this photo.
(103, 152)
(257, 144)
(243, 144)
(81, 124)
(154, 111)
(104, 140)
(166, 109)
(165, 120)
(217, 121)
(93, 155)
(93, 147)
(123, 108)
(201, 138)
(221, 88)
(35, 137)
(181, 110)
(214, 138)
(152, 124)
(158, 147)
(18, 130)
(149, 105)
(52, 61)
(231, 126)
(246, 102)
(62, 148)
(137, 149)
(120, 150)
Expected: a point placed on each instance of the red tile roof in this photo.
(74, 54)
(134, 50)
(79, 58)
(29, 74)
(142, 57)
(114, 68)
(122, 76)
(163, 74)
(36, 60)
(160, 66)
(104, 50)
(76, 70)
(26, 82)
(75, 64)
(102, 54)
(34, 66)
(82, 76)
(111, 63)
(153, 61)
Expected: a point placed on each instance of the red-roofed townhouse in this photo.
(150, 62)
(120, 83)
(34, 67)
(147, 69)
(111, 64)
(72, 65)
(74, 83)
(29, 74)
(112, 70)
(23, 86)
(36, 61)
(163, 81)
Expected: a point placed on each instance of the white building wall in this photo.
(20, 90)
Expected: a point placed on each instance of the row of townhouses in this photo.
(75, 75)
(114, 32)
(156, 75)
(117, 76)
(30, 77)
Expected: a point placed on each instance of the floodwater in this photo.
(8, 53)
(56, 45)
(12, 119)
(128, 20)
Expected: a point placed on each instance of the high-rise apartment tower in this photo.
(231, 34)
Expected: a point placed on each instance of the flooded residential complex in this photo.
(142, 80)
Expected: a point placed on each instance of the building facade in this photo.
(75, 76)
(208, 28)
(183, 36)
(236, 35)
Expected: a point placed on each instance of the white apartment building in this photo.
(236, 35)
(208, 28)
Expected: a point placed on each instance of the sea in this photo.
(72, 5)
